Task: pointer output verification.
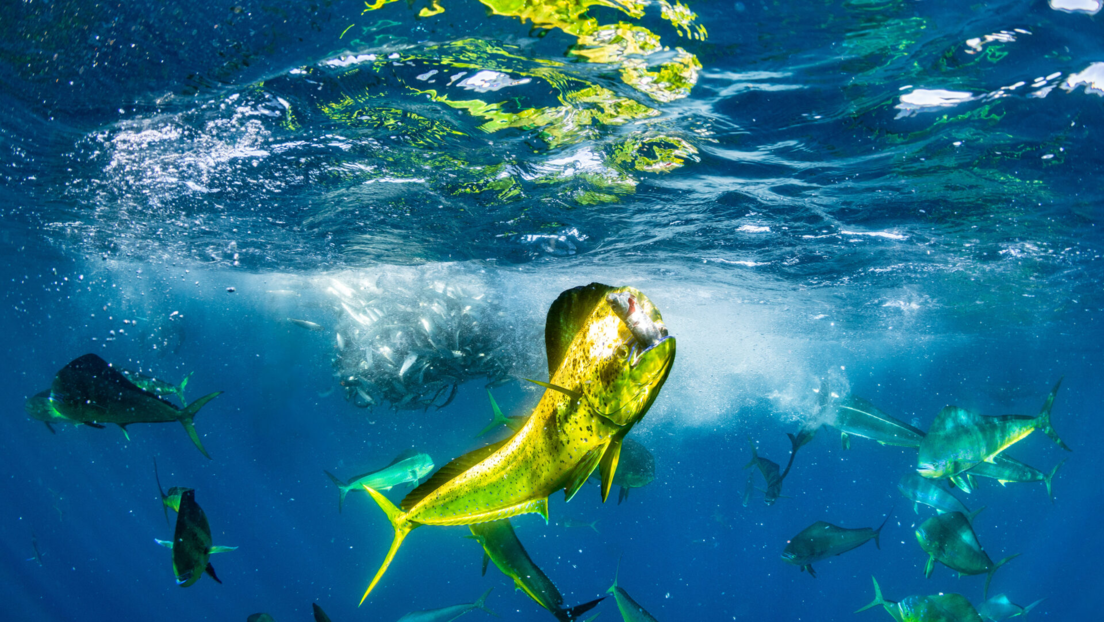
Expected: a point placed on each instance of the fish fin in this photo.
(622, 494)
(999, 564)
(188, 415)
(449, 472)
(342, 487)
(93, 424)
(574, 395)
(991, 459)
(961, 483)
(915, 508)
(496, 420)
(1050, 478)
(929, 567)
(221, 549)
(812, 573)
(402, 528)
(573, 613)
(608, 466)
(1044, 418)
(878, 600)
(592, 526)
(582, 471)
(1003, 482)
(481, 603)
(1028, 608)
(845, 440)
(878, 531)
(568, 313)
(616, 574)
(486, 560)
(211, 571)
(754, 454)
(180, 389)
(122, 426)
(49, 427)
(971, 515)
(164, 505)
(165, 543)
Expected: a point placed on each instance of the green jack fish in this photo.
(630, 610)
(959, 439)
(602, 382)
(88, 390)
(319, 615)
(822, 540)
(771, 473)
(501, 545)
(921, 490)
(409, 466)
(191, 543)
(448, 613)
(861, 418)
(1006, 469)
(950, 540)
(160, 388)
(172, 498)
(934, 608)
(999, 608)
(41, 407)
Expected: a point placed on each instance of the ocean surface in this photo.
(901, 199)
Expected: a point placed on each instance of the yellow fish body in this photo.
(605, 371)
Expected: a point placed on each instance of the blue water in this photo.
(899, 197)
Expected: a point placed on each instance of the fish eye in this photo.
(622, 351)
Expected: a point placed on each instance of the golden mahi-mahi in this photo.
(960, 439)
(608, 357)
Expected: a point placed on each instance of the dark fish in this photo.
(922, 490)
(191, 543)
(41, 407)
(771, 473)
(822, 540)
(934, 608)
(950, 540)
(960, 439)
(170, 500)
(1006, 469)
(501, 545)
(861, 418)
(88, 390)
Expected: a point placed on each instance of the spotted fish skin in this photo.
(602, 381)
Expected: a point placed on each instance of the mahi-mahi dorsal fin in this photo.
(566, 316)
(406, 453)
(952, 417)
(449, 472)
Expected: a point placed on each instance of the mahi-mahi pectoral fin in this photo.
(608, 466)
(582, 471)
(165, 543)
(845, 440)
(221, 549)
(930, 567)
(574, 395)
(449, 472)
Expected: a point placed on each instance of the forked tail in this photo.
(878, 600)
(498, 418)
(1044, 418)
(342, 487)
(482, 603)
(1050, 478)
(994, 569)
(402, 527)
(188, 415)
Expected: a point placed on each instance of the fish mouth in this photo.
(788, 557)
(927, 470)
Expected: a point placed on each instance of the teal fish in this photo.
(501, 545)
(960, 439)
(191, 544)
(448, 613)
(922, 490)
(934, 608)
(409, 466)
(950, 540)
(41, 407)
(515, 423)
(319, 615)
(822, 540)
(172, 498)
(1006, 469)
(630, 610)
(771, 473)
(635, 469)
(160, 388)
(570, 522)
(88, 390)
(861, 418)
(999, 608)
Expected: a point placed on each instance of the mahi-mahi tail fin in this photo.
(401, 526)
(1050, 478)
(188, 414)
(994, 569)
(481, 603)
(878, 531)
(1044, 418)
(496, 420)
(574, 613)
(342, 487)
(878, 600)
(754, 454)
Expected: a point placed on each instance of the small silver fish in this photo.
(305, 324)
